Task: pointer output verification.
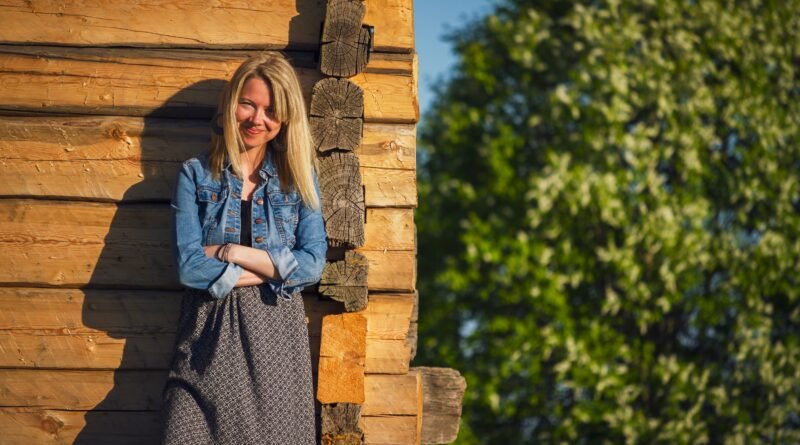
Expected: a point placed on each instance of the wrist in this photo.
(231, 256)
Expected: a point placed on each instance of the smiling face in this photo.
(255, 114)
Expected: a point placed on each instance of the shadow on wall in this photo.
(133, 294)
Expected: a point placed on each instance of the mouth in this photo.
(253, 131)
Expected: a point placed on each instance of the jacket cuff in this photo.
(223, 285)
(285, 264)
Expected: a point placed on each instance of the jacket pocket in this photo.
(286, 210)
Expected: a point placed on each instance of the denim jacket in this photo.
(207, 211)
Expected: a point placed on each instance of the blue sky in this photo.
(432, 20)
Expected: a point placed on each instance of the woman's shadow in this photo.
(133, 296)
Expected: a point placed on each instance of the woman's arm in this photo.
(257, 264)
(195, 269)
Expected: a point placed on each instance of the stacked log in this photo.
(100, 104)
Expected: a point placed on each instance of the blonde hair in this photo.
(296, 161)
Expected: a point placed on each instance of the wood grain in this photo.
(193, 23)
(101, 245)
(160, 83)
(136, 159)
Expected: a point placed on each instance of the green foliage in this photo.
(609, 222)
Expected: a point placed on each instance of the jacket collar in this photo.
(267, 166)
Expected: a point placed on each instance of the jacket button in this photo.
(259, 239)
(230, 229)
(213, 196)
(260, 202)
(259, 220)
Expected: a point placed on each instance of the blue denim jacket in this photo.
(207, 211)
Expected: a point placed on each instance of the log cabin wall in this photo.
(100, 102)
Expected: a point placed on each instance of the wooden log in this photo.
(337, 107)
(387, 356)
(135, 159)
(341, 363)
(413, 329)
(345, 45)
(101, 245)
(340, 424)
(342, 199)
(110, 329)
(82, 390)
(392, 395)
(164, 83)
(390, 430)
(346, 281)
(388, 316)
(27, 426)
(193, 24)
(443, 390)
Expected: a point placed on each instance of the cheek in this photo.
(241, 114)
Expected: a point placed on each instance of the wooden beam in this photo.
(165, 83)
(443, 390)
(390, 430)
(186, 23)
(346, 281)
(98, 244)
(340, 424)
(341, 362)
(345, 44)
(387, 356)
(392, 395)
(35, 426)
(342, 199)
(337, 108)
(136, 159)
(109, 329)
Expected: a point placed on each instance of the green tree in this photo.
(609, 222)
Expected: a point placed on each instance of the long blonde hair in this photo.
(296, 160)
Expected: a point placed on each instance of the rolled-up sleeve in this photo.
(301, 266)
(195, 269)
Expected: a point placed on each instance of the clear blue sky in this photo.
(432, 20)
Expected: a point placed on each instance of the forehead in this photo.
(255, 88)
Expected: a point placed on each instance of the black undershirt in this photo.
(246, 237)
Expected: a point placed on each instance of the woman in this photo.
(248, 237)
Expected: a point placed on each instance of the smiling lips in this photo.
(253, 131)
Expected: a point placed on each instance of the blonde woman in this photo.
(248, 236)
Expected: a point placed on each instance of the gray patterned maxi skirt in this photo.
(241, 373)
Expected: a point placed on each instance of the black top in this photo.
(247, 236)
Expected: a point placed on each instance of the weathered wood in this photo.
(342, 199)
(337, 107)
(34, 426)
(341, 363)
(390, 188)
(194, 24)
(345, 45)
(390, 430)
(413, 329)
(346, 281)
(135, 159)
(99, 245)
(340, 424)
(443, 390)
(167, 83)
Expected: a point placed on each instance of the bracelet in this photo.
(227, 250)
(222, 252)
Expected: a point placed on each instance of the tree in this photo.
(609, 222)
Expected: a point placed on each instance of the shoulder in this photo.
(197, 167)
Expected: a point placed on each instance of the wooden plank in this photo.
(136, 159)
(109, 329)
(193, 23)
(390, 430)
(27, 426)
(171, 83)
(388, 316)
(82, 390)
(99, 244)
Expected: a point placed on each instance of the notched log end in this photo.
(346, 44)
(340, 424)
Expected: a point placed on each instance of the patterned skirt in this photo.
(241, 373)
